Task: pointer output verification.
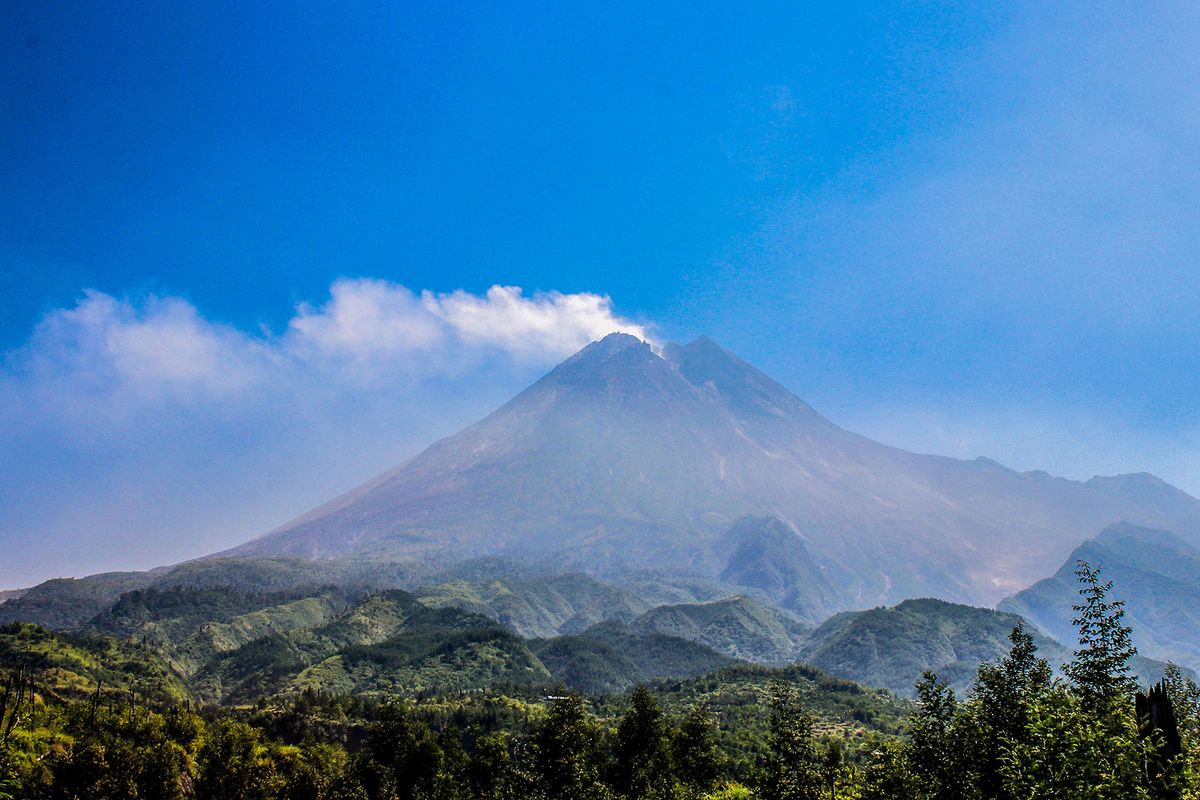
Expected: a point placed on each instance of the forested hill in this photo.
(98, 718)
(892, 647)
(1157, 575)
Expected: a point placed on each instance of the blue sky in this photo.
(246, 253)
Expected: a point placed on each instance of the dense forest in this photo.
(1021, 731)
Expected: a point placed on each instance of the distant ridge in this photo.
(1155, 572)
(622, 459)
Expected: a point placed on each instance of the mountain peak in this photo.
(611, 345)
(1140, 486)
(618, 340)
(744, 389)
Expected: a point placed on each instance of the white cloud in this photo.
(114, 357)
(364, 319)
(106, 358)
(547, 325)
(367, 324)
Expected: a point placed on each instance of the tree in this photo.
(695, 750)
(1084, 741)
(792, 767)
(942, 741)
(310, 771)
(491, 771)
(642, 751)
(888, 773)
(451, 782)
(233, 763)
(1099, 671)
(399, 757)
(1001, 699)
(565, 753)
(1066, 754)
(833, 765)
(1185, 700)
(1159, 729)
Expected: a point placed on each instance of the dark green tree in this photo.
(565, 753)
(888, 773)
(1099, 671)
(233, 763)
(697, 760)
(1084, 740)
(792, 769)
(642, 751)
(833, 765)
(1185, 699)
(492, 773)
(451, 782)
(1000, 707)
(399, 759)
(942, 742)
(310, 771)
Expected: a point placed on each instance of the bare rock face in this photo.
(623, 459)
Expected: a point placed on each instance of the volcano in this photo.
(625, 459)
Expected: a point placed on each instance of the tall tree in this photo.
(792, 767)
(399, 759)
(1002, 695)
(565, 749)
(491, 771)
(1185, 700)
(1099, 671)
(942, 742)
(233, 763)
(642, 750)
(697, 760)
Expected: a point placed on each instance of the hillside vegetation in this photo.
(1157, 574)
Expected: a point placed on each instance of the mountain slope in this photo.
(1156, 573)
(891, 647)
(622, 459)
(765, 554)
(68, 666)
(69, 602)
(540, 607)
(609, 657)
(736, 626)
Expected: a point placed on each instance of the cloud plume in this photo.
(127, 355)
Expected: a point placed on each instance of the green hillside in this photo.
(766, 554)
(68, 666)
(1156, 573)
(891, 647)
(387, 643)
(70, 602)
(736, 626)
(191, 626)
(540, 607)
(610, 657)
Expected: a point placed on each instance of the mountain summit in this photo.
(623, 459)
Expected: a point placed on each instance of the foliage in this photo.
(69, 727)
(1099, 671)
(790, 770)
